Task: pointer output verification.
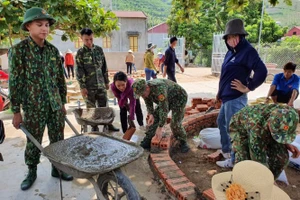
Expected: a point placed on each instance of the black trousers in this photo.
(70, 68)
(138, 113)
(129, 67)
(171, 76)
(281, 97)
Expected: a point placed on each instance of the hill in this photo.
(156, 10)
(285, 15)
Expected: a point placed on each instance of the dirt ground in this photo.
(195, 166)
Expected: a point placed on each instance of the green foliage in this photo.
(71, 16)
(156, 10)
(285, 51)
(213, 16)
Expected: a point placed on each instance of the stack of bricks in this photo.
(174, 179)
(200, 105)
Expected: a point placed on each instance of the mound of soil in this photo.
(196, 167)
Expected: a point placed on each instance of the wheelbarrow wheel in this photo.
(116, 186)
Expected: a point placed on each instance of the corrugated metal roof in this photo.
(130, 14)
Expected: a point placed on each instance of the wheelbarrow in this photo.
(94, 117)
(97, 157)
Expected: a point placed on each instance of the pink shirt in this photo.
(123, 96)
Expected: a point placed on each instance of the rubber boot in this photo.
(146, 144)
(113, 128)
(64, 176)
(184, 146)
(30, 178)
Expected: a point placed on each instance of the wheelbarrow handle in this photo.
(31, 138)
(71, 126)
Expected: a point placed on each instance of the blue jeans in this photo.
(228, 109)
(150, 73)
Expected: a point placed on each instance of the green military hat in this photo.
(139, 87)
(283, 123)
(36, 13)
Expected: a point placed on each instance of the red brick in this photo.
(188, 108)
(165, 143)
(202, 107)
(214, 157)
(186, 185)
(187, 195)
(191, 112)
(165, 164)
(209, 194)
(206, 100)
(196, 100)
(169, 169)
(172, 174)
(178, 180)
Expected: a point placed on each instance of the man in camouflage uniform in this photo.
(264, 133)
(168, 96)
(92, 73)
(37, 84)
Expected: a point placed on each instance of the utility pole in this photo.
(111, 5)
(261, 25)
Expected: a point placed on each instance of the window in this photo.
(107, 42)
(78, 43)
(295, 33)
(133, 43)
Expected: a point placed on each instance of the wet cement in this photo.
(93, 154)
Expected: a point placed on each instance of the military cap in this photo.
(36, 13)
(139, 87)
(283, 124)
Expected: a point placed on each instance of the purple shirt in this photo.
(123, 96)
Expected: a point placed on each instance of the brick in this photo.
(172, 174)
(165, 143)
(182, 186)
(178, 180)
(155, 142)
(214, 157)
(191, 112)
(187, 195)
(196, 100)
(188, 108)
(165, 164)
(202, 107)
(209, 194)
(160, 159)
(206, 100)
(169, 169)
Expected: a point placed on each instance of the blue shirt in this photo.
(284, 85)
(238, 64)
(170, 59)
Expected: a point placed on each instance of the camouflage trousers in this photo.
(35, 120)
(274, 155)
(96, 98)
(177, 128)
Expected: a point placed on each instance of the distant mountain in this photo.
(156, 10)
(285, 15)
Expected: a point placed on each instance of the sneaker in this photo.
(225, 164)
(225, 155)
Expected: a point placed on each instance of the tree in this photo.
(71, 16)
(213, 16)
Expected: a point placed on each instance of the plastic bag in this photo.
(282, 177)
(210, 138)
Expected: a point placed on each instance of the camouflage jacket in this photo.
(252, 123)
(91, 68)
(167, 95)
(36, 77)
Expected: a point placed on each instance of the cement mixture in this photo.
(93, 154)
